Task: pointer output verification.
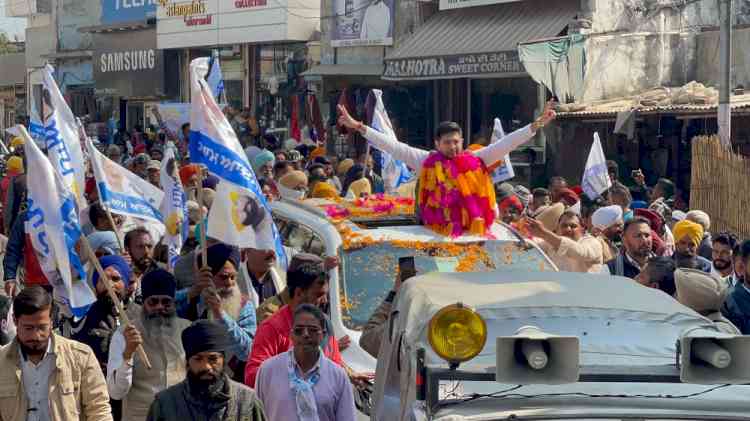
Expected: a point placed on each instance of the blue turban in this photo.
(262, 159)
(118, 263)
(639, 204)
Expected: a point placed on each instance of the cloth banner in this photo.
(505, 170)
(595, 176)
(61, 136)
(395, 172)
(173, 207)
(240, 214)
(123, 192)
(174, 115)
(53, 225)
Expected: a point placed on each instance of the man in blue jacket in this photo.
(736, 307)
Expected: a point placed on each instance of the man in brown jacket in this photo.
(44, 376)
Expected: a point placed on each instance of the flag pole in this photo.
(204, 255)
(115, 299)
(118, 234)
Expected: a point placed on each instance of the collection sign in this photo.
(453, 66)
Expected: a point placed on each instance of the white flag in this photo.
(123, 192)
(53, 226)
(215, 79)
(239, 215)
(61, 137)
(395, 172)
(595, 177)
(505, 170)
(173, 207)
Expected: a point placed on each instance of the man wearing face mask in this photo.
(207, 393)
(157, 328)
(293, 185)
(607, 226)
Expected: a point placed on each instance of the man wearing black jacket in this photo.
(636, 249)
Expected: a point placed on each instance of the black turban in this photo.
(204, 336)
(219, 254)
(158, 282)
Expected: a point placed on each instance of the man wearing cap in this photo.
(207, 393)
(704, 294)
(606, 226)
(157, 328)
(96, 328)
(140, 165)
(568, 247)
(688, 236)
(154, 170)
(701, 218)
(217, 296)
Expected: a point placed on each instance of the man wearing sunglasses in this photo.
(158, 329)
(319, 387)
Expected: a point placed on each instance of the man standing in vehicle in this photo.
(455, 189)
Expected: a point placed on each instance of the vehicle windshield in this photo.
(370, 272)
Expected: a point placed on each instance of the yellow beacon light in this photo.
(457, 333)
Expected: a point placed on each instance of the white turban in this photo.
(605, 217)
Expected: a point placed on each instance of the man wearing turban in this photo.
(96, 328)
(688, 236)
(607, 225)
(156, 327)
(207, 393)
(217, 296)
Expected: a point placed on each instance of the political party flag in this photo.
(505, 170)
(53, 226)
(395, 172)
(36, 128)
(240, 214)
(123, 192)
(215, 79)
(61, 137)
(173, 207)
(595, 176)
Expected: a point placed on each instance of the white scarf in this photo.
(302, 389)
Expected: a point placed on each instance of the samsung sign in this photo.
(126, 61)
(128, 64)
(119, 11)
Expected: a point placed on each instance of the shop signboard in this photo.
(460, 4)
(128, 64)
(453, 66)
(201, 23)
(362, 22)
(120, 11)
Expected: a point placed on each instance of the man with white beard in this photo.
(216, 296)
(158, 329)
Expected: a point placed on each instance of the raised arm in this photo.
(412, 157)
(497, 151)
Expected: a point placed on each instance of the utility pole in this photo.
(725, 46)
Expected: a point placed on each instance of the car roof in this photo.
(389, 227)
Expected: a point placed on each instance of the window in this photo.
(299, 237)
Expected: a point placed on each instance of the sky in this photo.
(12, 26)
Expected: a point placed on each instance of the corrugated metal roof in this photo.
(345, 69)
(487, 29)
(741, 103)
(12, 69)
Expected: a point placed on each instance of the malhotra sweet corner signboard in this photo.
(460, 4)
(196, 23)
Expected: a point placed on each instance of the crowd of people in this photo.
(225, 339)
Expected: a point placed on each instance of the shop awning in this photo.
(477, 41)
(345, 70)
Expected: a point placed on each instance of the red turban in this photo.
(567, 196)
(653, 218)
(187, 172)
(511, 201)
